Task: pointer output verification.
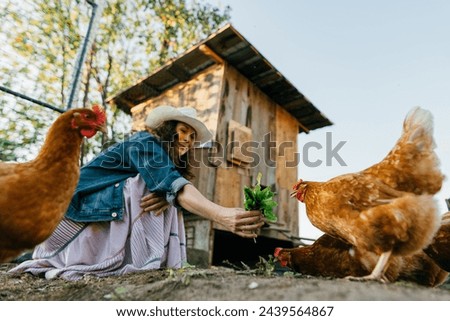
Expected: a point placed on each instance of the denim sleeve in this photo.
(177, 184)
(156, 168)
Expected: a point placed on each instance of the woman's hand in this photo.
(152, 202)
(241, 222)
(236, 220)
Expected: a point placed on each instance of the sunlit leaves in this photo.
(41, 41)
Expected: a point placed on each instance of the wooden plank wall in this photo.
(234, 105)
(286, 171)
(239, 96)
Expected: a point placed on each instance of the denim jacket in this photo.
(99, 194)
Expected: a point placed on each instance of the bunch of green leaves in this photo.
(260, 199)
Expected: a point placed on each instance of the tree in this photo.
(133, 38)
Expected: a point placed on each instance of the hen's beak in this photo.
(282, 260)
(103, 128)
(295, 188)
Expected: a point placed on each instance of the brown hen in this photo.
(331, 257)
(388, 208)
(35, 195)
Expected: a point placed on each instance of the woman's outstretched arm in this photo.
(236, 220)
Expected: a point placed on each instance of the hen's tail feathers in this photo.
(418, 125)
(418, 135)
(412, 165)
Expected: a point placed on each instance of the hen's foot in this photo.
(377, 273)
(367, 278)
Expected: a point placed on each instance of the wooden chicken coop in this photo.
(255, 114)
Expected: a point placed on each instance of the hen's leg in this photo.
(377, 272)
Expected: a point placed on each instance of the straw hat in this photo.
(186, 115)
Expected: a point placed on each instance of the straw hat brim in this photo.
(183, 114)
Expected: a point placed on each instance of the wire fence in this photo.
(41, 60)
(42, 38)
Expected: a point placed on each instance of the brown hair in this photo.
(167, 135)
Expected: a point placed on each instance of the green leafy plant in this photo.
(260, 199)
(265, 267)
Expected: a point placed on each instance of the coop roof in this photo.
(226, 45)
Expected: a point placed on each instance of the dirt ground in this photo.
(216, 284)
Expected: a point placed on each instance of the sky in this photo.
(364, 65)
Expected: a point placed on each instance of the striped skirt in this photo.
(139, 242)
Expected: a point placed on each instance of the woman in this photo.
(124, 214)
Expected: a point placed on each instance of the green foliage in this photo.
(265, 266)
(257, 199)
(41, 39)
(21, 131)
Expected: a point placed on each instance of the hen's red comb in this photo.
(276, 253)
(100, 112)
(296, 185)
